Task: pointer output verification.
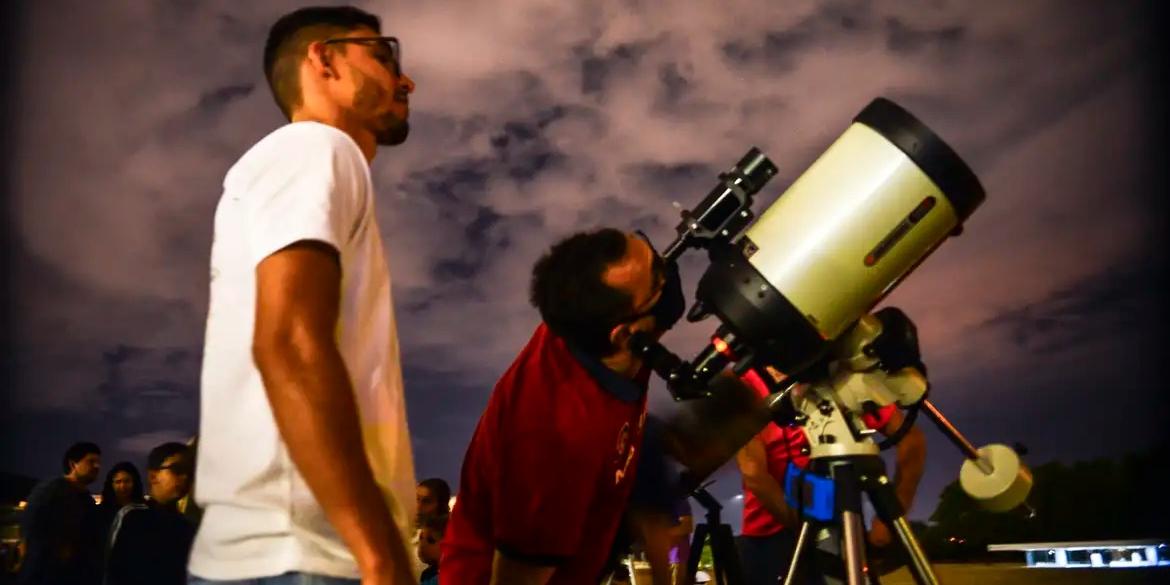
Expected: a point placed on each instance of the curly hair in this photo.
(568, 290)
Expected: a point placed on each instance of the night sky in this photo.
(1042, 324)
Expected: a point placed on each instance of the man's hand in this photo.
(397, 575)
(879, 534)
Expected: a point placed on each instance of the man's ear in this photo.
(320, 60)
(620, 335)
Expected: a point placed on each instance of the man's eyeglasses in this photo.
(386, 49)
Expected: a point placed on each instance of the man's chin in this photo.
(394, 134)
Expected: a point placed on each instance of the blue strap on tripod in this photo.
(814, 496)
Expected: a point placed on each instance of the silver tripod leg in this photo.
(921, 569)
(801, 542)
(854, 547)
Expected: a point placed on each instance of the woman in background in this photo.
(123, 486)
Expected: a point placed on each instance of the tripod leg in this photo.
(853, 535)
(726, 556)
(717, 567)
(801, 542)
(889, 510)
(845, 477)
(696, 552)
(923, 572)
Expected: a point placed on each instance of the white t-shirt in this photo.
(304, 181)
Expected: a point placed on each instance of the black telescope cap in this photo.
(958, 183)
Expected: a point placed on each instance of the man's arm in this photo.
(309, 389)
(508, 571)
(910, 458)
(44, 521)
(753, 465)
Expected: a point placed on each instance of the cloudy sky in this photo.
(536, 118)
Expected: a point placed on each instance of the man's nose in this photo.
(407, 82)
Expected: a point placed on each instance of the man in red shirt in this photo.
(766, 544)
(550, 467)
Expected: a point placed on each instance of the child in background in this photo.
(430, 535)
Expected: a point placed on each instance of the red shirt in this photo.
(780, 445)
(550, 467)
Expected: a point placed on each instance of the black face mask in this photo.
(672, 303)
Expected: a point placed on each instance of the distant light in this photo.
(737, 497)
(21, 505)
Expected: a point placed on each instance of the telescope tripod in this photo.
(829, 498)
(724, 556)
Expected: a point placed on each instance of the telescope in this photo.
(793, 291)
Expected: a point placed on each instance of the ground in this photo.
(1014, 574)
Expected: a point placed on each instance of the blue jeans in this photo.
(285, 579)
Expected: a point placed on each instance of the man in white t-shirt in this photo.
(304, 464)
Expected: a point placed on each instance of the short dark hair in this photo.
(568, 290)
(289, 39)
(439, 488)
(76, 452)
(160, 454)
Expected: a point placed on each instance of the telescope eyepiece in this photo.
(755, 169)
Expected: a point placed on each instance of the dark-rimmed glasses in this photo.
(386, 49)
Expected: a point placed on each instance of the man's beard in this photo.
(391, 130)
(388, 129)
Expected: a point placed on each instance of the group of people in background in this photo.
(140, 533)
(135, 533)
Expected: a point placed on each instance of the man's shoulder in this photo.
(296, 141)
(46, 484)
(152, 521)
(542, 385)
(310, 134)
(131, 519)
(133, 514)
(53, 487)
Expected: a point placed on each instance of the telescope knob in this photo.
(698, 312)
(999, 481)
